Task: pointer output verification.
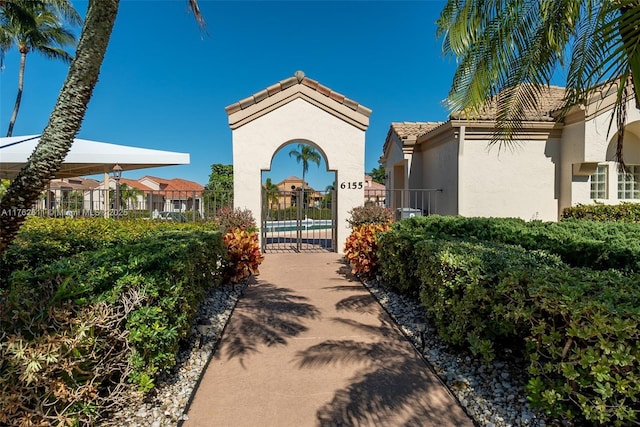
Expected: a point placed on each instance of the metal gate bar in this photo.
(298, 221)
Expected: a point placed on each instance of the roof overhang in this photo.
(86, 157)
(298, 87)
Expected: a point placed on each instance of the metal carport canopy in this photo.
(86, 157)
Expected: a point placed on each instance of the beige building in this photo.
(551, 164)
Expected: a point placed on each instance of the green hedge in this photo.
(158, 278)
(172, 269)
(580, 325)
(623, 212)
(584, 340)
(460, 284)
(597, 245)
(41, 241)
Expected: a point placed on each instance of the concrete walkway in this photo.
(308, 347)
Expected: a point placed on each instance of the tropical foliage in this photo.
(305, 154)
(378, 174)
(66, 117)
(508, 51)
(93, 308)
(36, 26)
(361, 248)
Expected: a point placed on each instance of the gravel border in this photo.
(167, 403)
(491, 394)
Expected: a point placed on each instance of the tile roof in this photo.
(298, 78)
(551, 99)
(175, 184)
(412, 129)
(132, 183)
(76, 183)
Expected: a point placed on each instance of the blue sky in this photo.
(164, 85)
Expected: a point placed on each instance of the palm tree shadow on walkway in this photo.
(266, 315)
(392, 385)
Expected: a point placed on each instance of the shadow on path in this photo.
(392, 385)
(266, 315)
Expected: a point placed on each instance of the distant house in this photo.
(149, 193)
(550, 166)
(374, 192)
(66, 193)
(288, 189)
(174, 194)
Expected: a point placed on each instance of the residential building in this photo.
(550, 165)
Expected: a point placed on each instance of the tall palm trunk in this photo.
(16, 107)
(64, 122)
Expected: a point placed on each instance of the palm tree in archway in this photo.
(272, 193)
(35, 26)
(305, 154)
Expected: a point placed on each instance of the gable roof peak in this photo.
(290, 88)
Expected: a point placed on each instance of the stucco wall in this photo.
(440, 171)
(513, 183)
(255, 143)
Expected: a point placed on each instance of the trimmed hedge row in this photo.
(597, 245)
(44, 240)
(580, 325)
(145, 288)
(623, 212)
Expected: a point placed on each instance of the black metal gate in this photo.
(300, 220)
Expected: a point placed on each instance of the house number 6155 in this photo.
(353, 185)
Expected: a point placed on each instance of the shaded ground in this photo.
(308, 347)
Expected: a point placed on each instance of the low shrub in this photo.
(41, 241)
(369, 214)
(78, 330)
(584, 342)
(361, 249)
(623, 212)
(398, 259)
(243, 255)
(462, 292)
(230, 219)
(598, 245)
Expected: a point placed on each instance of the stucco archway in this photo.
(299, 109)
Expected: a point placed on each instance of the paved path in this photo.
(306, 346)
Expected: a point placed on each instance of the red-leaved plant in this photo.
(361, 249)
(244, 254)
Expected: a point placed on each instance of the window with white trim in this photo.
(599, 183)
(629, 183)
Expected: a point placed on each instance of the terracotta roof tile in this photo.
(405, 130)
(337, 97)
(550, 100)
(313, 84)
(298, 78)
(273, 89)
(134, 184)
(263, 94)
(323, 90)
(288, 82)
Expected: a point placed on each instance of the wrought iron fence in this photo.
(203, 205)
(130, 203)
(406, 203)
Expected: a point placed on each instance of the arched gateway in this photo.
(299, 110)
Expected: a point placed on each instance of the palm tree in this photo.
(38, 27)
(305, 154)
(272, 193)
(507, 53)
(66, 117)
